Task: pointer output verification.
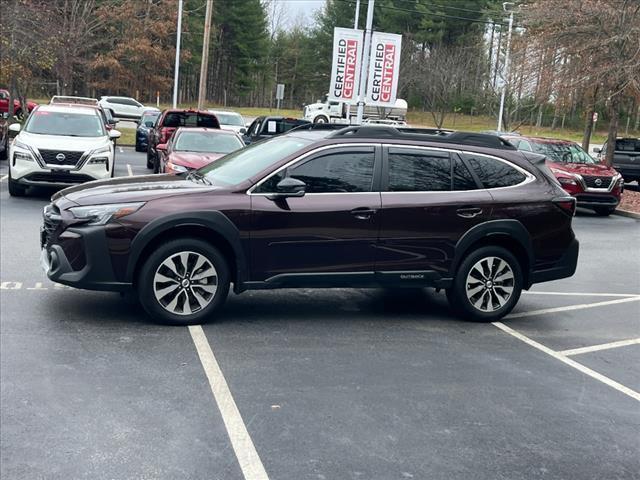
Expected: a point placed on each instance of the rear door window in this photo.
(462, 177)
(418, 170)
(494, 173)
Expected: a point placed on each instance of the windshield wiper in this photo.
(198, 177)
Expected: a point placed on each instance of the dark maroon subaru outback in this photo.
(358, 207)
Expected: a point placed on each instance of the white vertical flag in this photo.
(346, 63)
(384, 69)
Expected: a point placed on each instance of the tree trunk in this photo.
(588, 121)
(637, 124)
(614, 113)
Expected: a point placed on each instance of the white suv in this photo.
(60, 145)
(124, 107)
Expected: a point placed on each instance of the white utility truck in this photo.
(329, 111)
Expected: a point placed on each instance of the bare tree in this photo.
(600, 42)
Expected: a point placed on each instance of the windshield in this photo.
(149, 117)
(65, 124)
(563, 152)
(243, 164)
(207, 142)
(230, 119)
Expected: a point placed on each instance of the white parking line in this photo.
(121, 150)
(129, 170)
(572, 307)
(572, 363)
(581, 294)
(602, 346)
(245, 451)
(3, 177)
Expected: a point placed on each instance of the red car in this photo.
(17, 106)
(592, 183)
(193, 148)
(168, 122)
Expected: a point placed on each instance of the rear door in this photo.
(332, 229)
(430, 199)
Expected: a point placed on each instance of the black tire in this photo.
(460, 301)
(604, 211)
(321, 119)
(138, 148)
(150, 161)
(148, 285)
(19, 114)
(15, 189)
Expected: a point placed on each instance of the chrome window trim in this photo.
(529, 177)
(304, 156)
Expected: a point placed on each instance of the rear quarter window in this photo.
(494, 173)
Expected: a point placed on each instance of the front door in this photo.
(429, 200)
(329, 232)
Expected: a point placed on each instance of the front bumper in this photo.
(597, 200)
(84, 261)
(564, 268)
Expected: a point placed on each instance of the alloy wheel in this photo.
(490, 284)
(185, 283)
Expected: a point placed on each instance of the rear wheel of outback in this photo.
(183, 282)
(604, 211)
(15, 189)
(487, 285)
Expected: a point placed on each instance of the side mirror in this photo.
(597, 150)
(162, 147)
(243, 131)
(113, 134)
(14, 127)
(148, 124)
(289, 187)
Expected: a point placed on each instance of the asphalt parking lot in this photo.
(320, 384)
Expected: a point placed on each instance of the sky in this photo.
(302, 10)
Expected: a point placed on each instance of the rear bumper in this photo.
(564, 268)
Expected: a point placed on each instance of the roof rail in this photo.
(435, 135)
(318, 126)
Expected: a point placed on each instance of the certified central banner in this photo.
(384, 67)
(345, 71)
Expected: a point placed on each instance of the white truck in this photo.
(329, 111)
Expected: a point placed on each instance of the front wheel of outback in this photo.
(487, 285)
(183, 282)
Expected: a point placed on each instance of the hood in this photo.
(192, 159)
(130, 189)
(60, 142)
(598, 169)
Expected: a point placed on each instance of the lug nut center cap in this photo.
(185, 282)
(488, 284)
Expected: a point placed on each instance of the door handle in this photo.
(468, 212)
(362, 213)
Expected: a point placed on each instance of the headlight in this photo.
(567, 181)
(103, 150)
(101, 214)
(176, 168)
(25, 156)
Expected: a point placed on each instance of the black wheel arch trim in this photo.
(512, 229)
(213, 220)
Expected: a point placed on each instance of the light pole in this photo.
(365, 61)
(177, 67)
(505, 76)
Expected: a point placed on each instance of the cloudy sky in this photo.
(300, 10)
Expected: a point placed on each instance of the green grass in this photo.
(128, 137)
(415, 118)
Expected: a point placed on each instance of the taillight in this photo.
(566, 204)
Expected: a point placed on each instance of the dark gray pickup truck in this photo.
(626, 158)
